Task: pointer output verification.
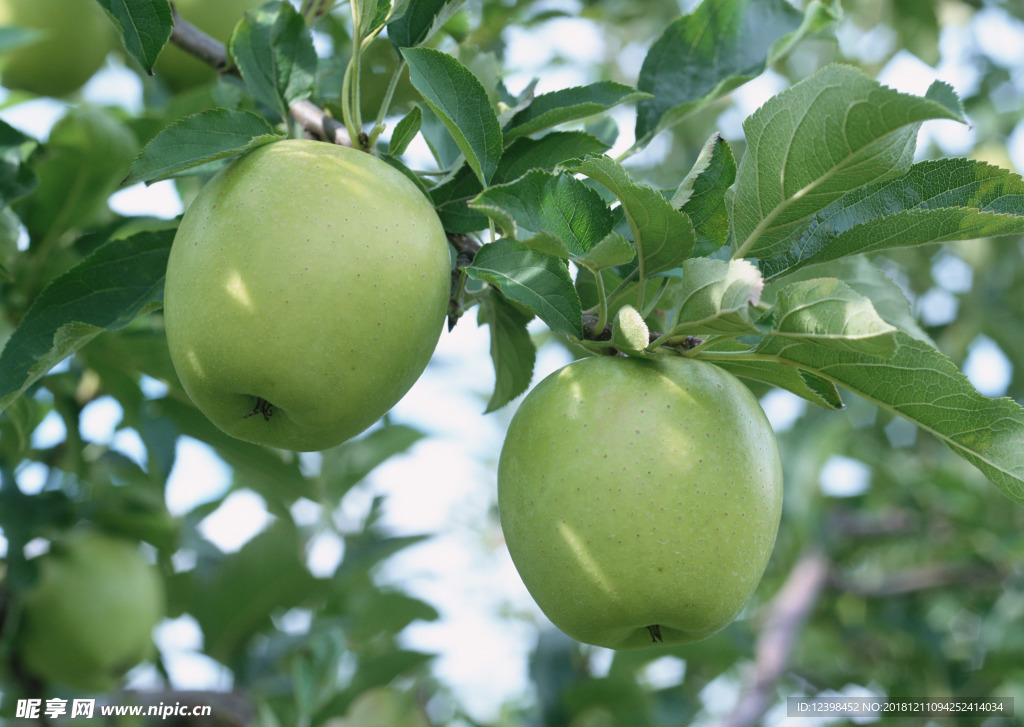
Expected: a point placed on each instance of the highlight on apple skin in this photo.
(640, 499)
(306, 290)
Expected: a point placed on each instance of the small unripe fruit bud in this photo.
(629, 331)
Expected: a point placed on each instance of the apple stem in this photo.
(655, 634)
(602, 302)
(386, 103)
(347, 105)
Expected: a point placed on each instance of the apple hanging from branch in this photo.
(640, 499)
(306, 290)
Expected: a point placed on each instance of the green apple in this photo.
(178, 68)
(640, 499)
(74, 39)
(306, 290)
(90, 616)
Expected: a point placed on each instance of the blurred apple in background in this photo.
(74, 37)
(89, 617)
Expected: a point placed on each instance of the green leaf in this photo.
(17, 423)
(410, 174)
(663, 236)
(830, 314)
(545, 152)
(868, 279)
(804, 384)
(825, 390)
(546, 242)
(512, 351)
(372, 14)
(405, 131)
(811, 144)
(518, 158)
(9, 232)
(441, 144)
(111, 287)
(346, 465)
(569, 104)
(613, 250)
(546, 204)
(702, 195)
(460, 102)
(376, 669)
(364, 550)
(79, 167)
(144, 26)
(924, 386)
(414, 21)
(197, 139)
(917, 24)
(540, 282)
(273, 49)
(261, 469)
(936, 201)
(717, 297)
(383, 612)
(16, 178)
(719, 46)
(236, 600)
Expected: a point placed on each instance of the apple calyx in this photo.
(263, 407)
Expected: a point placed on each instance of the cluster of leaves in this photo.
(761, 266)
(827, 177)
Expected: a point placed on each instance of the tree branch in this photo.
(894, 521)
(313, 118)
(210, 50)
(466, 248)
(794, 601)
(787, 614)
(204, 47)
(922, 578)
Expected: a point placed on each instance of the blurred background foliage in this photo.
(897, 570)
